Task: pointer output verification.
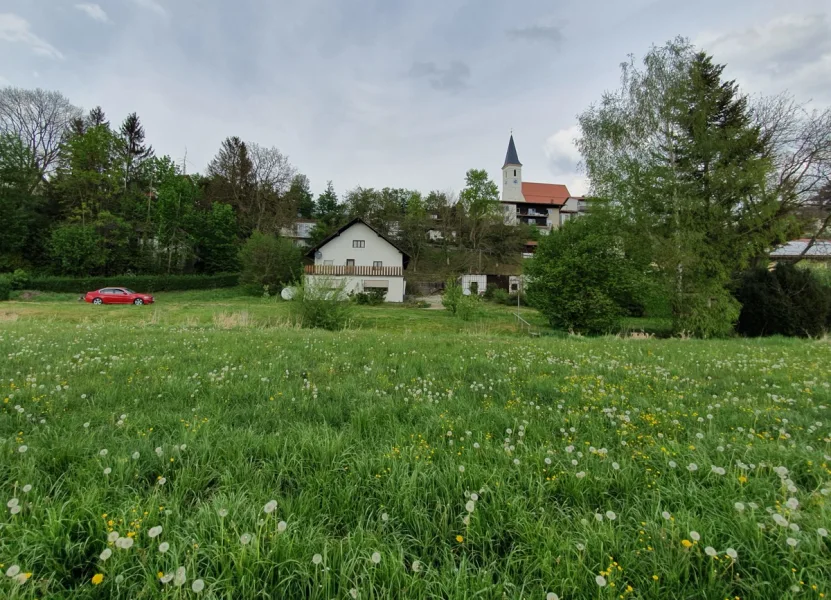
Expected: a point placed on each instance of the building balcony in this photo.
(359, 271)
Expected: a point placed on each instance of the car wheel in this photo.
(138, 301)
(98, 301)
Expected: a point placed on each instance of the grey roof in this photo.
(311, 252)
(511, 157)
(793, 249)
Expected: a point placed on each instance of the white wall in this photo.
(512, 192)
(339, 249)
(353, 284)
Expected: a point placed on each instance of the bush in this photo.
(452, 295)
(709, 313)
(469, 307)
(581, 277)
(19, 279)
(786, 301)
(500, 296)
(5, 288)
(370, 297)
(474, 288)
(271, 261)
(321, 306)
(139, 283)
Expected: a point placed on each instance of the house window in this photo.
(359, 243)
(350, 262)
(377, 264)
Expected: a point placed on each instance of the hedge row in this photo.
(138, 283)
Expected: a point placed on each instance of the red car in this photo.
(113, 295)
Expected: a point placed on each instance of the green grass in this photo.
(373, 440)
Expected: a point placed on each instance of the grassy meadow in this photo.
(204, 447)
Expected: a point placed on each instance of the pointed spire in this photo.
(511, 157)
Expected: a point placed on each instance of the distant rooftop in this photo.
(793, 249)
(511, 157)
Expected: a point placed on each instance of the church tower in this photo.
(512, 175)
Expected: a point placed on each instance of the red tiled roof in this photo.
(554, 194)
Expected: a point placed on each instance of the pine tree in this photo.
(134, 150)
(300, 195)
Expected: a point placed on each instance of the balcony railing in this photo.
(339, 270)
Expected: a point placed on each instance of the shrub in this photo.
(5, 288)
(581, 277)
(269, 260)
(500, 296)
(474, 288)
(19, 279)
(323, 305)
(452, 295)
(787, 301)
(370, 297)
(469, 307)
(139, 283)
(709, 313)
(77, 249)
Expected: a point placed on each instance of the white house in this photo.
(360, 258)
(300, 232)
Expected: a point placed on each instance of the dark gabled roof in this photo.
(311, 252)
(511, 157)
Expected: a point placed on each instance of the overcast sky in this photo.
(385, 93)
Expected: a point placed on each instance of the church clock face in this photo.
(514, 181)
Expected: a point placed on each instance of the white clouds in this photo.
(16, 30)
(152, 6)
(790, 52)
(564, 159)
(93, 11)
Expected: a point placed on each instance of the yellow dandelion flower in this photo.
(97, 578)
(686, 543)
(460, 539)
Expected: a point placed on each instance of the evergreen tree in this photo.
(329, 212)
(134, 150)
(300, 195)
(96, 118)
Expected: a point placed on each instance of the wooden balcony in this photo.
(339, 270)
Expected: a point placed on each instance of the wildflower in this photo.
(616, 467)
(695, 535)
(792, 503)
(113, 536)
(245, 539)
(710, 551)
(474, 496)
(222, 512)
(107, 471)
(97, 578)
(162, 480)
(12, 571)
(27, 488)
(353, 592)
(167, 578)
(197, 586)
(460, 539)
(270, 506)
(739, 506)
(181, 577)
(692, 467)
(731, 553)
(15, 509)
(12, 503)
(105, 554)
(476, 445)
(580, 475)
(611, 515)
(385, 517)
(792, 542)
(601, 581)
(416, 566)
(598, 516)
(119, 579)
(183, 447)
(780, 520)
(125, 543)
(717, 470)
(822, 532)
(672, 464)
(158, 451)
(580, 546)
(164, 547)
(666, 515)
(376, 557)
(686, 543)
(317, 559)
(22, 449)
(22, 578)
(461, 468)
(551, 596)
(136, 455)
(516, 461)
(103, 452)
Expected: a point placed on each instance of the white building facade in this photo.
(360, 259)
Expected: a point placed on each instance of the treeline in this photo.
(695, 183)
(81, 196)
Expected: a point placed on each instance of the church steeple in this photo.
(511, 157)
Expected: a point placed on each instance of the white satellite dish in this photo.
(288, 293)
(466, 291)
